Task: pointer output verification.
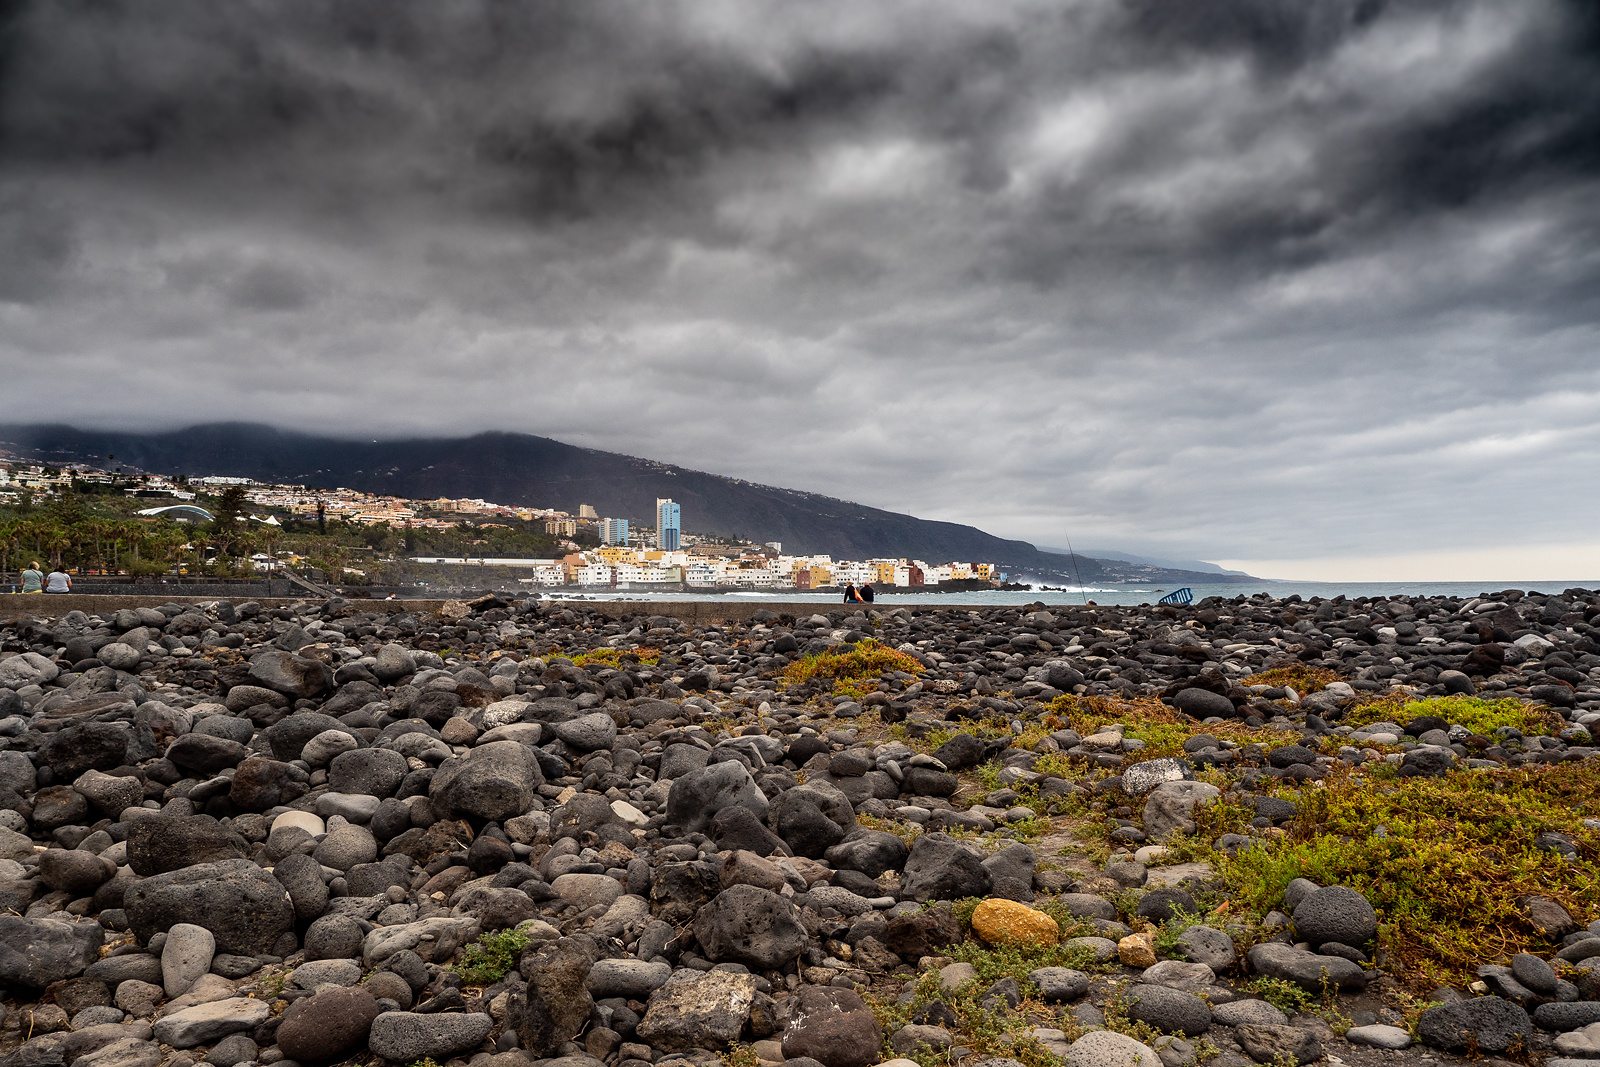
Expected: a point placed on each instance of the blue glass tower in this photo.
(669, 525)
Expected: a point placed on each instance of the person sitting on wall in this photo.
(58, 581)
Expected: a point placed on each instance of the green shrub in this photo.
(1442, 860)
(1285, 996)
(1477, 714)
(852, 672)
(491, 957)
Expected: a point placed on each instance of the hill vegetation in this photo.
(96, 530)
(523, 469)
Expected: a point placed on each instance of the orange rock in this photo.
(1005, 922)
(1137, 950)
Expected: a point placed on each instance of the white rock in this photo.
(628, 813)
(1379, 1036)
(308, 822)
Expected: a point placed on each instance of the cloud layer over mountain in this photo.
(1268, 281)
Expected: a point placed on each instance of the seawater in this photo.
(1131, 594)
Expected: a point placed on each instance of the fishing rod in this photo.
(1075, 570)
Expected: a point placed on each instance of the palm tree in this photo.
(58, 543)
(245, 544)
(10, 538)
(199, 542)
(270, 535)
(101, 529)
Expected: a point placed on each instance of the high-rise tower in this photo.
(669, 525)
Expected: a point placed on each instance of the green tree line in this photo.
(89, 531)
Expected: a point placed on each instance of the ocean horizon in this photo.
(1122, 595)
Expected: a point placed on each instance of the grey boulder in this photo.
(185, 957)
(293, 676)
(557, 1002)
(1170, 806)
(203, 1024)
(696, 797)
(1169, 1010)
(495, 781)
(1288, 1046)
(832, 1026)
(1143, 777)
(74, 871)
(634, 979)
(1489, 1024)
(1057, 984)
(159, 844)
(394, 661)
(110, 794)
(1335, 914)
(588, 733)
(373, 772)
(941, 868)
(1203, 704)
(242, 905)
(749, 925)
(1307, 970)
(695, 1009)
(36, 952)
(1107, 1048)
(402, 1036)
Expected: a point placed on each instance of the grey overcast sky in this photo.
(1309, 288)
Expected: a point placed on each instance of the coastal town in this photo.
(589, 550)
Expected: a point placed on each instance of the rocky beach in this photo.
(514, 833)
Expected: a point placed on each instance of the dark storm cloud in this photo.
(36, 244)
(1194, 276)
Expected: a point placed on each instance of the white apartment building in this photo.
(702, 572)
(853, 574)
(550, 574)
(641, 574)
(594, 574)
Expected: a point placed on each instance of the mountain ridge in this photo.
(528, 470)
(1195, 565)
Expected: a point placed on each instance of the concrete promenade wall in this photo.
(693, 612)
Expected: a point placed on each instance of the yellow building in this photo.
(614, 554)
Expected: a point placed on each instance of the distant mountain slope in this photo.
(1196, 565)
(522, 469)
(509, 468)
